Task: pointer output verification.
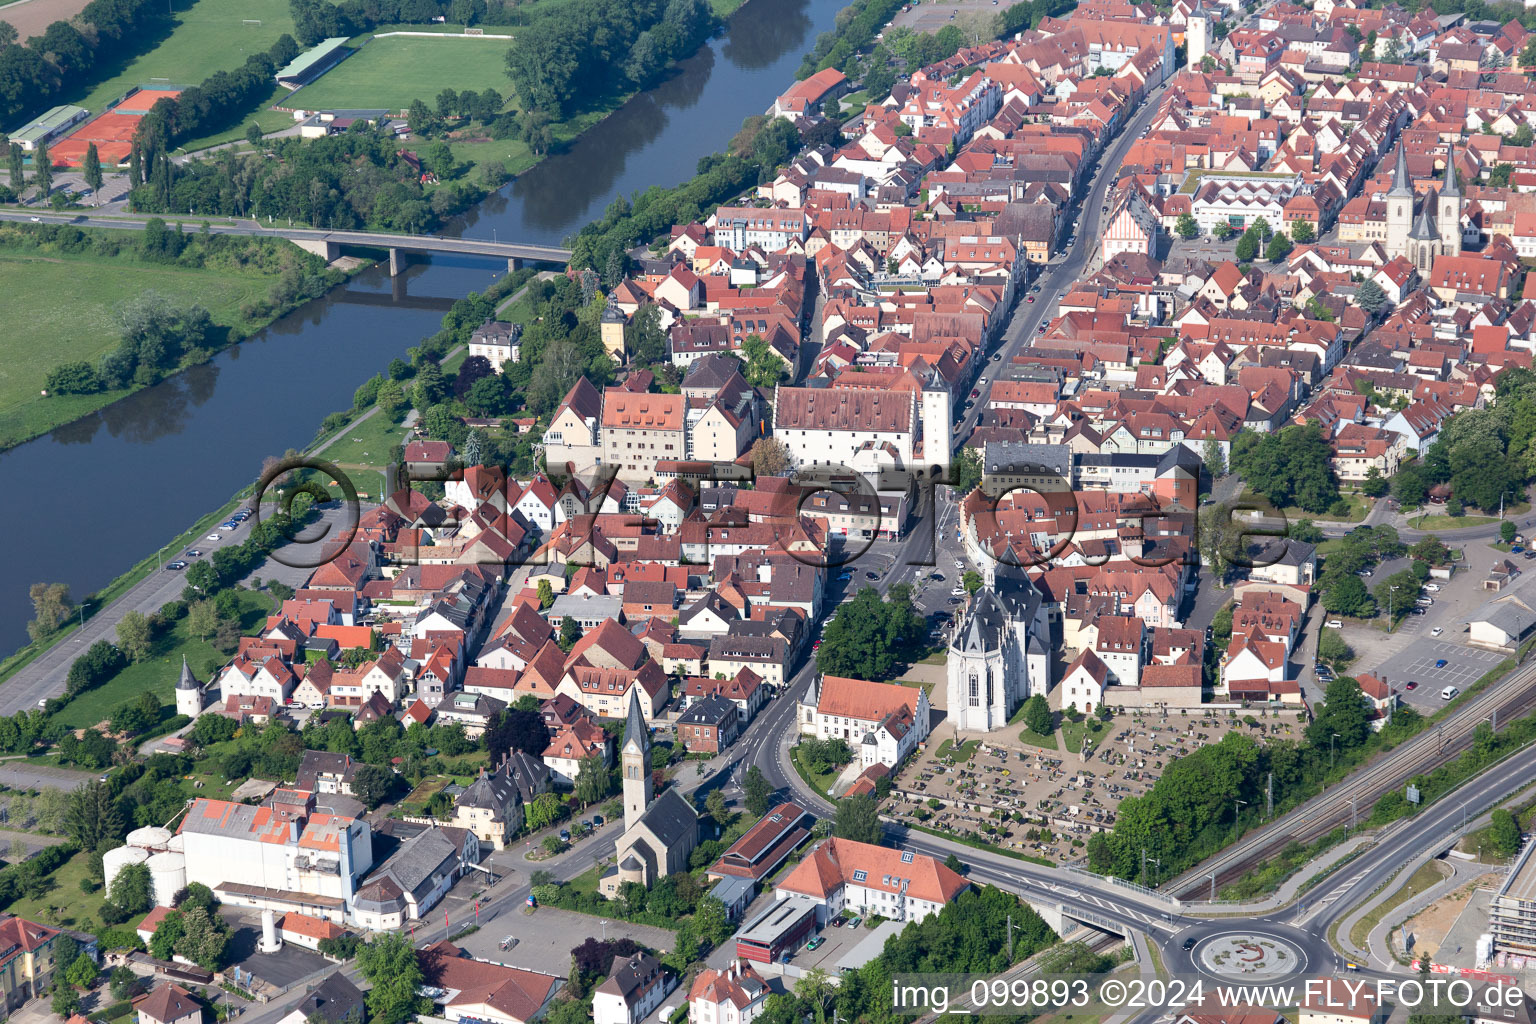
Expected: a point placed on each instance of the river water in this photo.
(92, 498)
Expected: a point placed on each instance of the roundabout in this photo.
(1250, 955)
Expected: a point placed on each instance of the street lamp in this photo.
(1391, 589)
(604, 923)
(1237, 806)
(1330, 750)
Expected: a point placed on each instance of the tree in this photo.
(389, 963)
(858, 819)
(50, 607)
(1290, 466)
(1370, 297)
(65, 1001)
(955, 864)
(1215, 460)
(1187, 226)
(1345, 712)
(8, 34)
(1214, 540)
(710, 921)
(759, 793)
(971, 580)
(1332, 648)
(1507, 531)
(82, 971)
(91, 170)
(373, 784)
(592, 780)
(1037, 716)
(254, 134)
(1348, 596)
(17, 157)
(546, 594)
(1302, 232)
(764, 367)
(203, 618)
(132, 890)
(42, 168)
(1504, 832)
(570, 632)
(133, 635)
(770, 456)
(515, 729)
(714, 806)
(391, 398)
(542, 812)
(92, 819)
(870, 638)
(1279, 247)
(1247, 247)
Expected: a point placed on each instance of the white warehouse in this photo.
(282, 855)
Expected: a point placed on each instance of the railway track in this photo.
(1505, 701)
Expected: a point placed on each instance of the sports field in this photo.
(388, 73)
(210, 35)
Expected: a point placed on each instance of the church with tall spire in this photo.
(659, 831)
(1435, 229)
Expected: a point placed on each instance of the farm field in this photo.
(32, 17)
(388, 73)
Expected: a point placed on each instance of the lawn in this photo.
(366, 445)
(1441, 521)
(1073, 733)
(1359, 508)
(158, 672)
(388, 73)
(64, 904)
(966, 751)
(210, 36)
(70, 301)
(1034, 739)
(1420, 881)
(821, 782)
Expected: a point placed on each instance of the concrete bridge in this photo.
(328, 244)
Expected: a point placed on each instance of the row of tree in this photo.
(36, 75)
(316, 20)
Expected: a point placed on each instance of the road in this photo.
(415, 243)
(44, 676)
(1059, 276)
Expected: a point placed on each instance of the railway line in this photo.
(1502, 702)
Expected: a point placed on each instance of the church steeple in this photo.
(1402, 184)
(1452, 186)
(636, 757)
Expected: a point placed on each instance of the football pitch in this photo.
(388, 73)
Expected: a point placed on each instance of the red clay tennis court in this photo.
(112, 132)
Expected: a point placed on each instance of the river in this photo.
(110, 488)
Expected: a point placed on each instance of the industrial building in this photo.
(285, 855)
(783, 928)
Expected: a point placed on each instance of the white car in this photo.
(1449, 693)
(319, 705)
(1432, 586)
(1335, 624)
(1437, 631)
(213, 536)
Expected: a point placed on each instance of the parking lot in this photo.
(546, 937)
(930, 17)
(1463, 666)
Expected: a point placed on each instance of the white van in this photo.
(1449, 693)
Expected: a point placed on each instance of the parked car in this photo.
(837, 922)
(509, 942)
(1432, 586)
(1437, 631)
(318, 705)
(194, 553)
(1365, 574)
(598, 821)
(1441, 663)
(213, 536)
(1335, 624)
(1410, 685)
(1424, 602)
(178, 564)
(565, 835)
(1449, 693)
(816, 943)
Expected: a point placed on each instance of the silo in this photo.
(169, 873)
(114, 861)
(177, 844)
(151, 837)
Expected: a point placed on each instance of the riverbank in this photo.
(69, 286)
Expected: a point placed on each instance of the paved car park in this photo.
(1463, 666)
(546, 937)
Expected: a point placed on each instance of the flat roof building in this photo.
(49, 126)
(1512, 916)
